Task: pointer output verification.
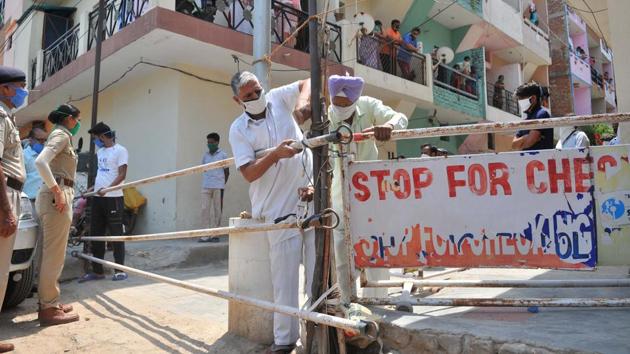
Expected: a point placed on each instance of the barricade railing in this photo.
(344, 136)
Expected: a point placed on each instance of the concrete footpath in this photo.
(513, 330)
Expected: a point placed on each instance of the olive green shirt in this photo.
(12, 158)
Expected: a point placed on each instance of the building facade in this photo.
(167, 63)
(582, 74)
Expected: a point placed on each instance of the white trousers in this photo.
(286, 257)
(6, 245)
(211, 207)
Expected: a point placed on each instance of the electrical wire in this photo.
(596, 22)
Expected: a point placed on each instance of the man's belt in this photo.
(64, 182)
(14, 184)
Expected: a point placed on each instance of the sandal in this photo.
(120, 276)
(91, 276)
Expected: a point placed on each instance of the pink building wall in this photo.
(582, 100)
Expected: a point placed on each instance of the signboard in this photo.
(522, 209)
(612, 196)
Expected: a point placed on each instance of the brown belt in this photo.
(14, 184)
(64, 182)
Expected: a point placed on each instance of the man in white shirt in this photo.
(572, 138)
(268, 122)
(213, 186)
(107, 208)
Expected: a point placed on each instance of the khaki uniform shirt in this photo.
(12, 159)
(65, 163)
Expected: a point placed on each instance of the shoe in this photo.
(66, 308)
(53, 316)
(6, 347)
(120, 276)
(281, 349)
(209, 239)
(90, 277)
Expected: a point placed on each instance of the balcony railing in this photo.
(2, 3)
(455, 81)
(502, 99)
(382, 55)
(238, 15)
(118, 14)
(61, 52)
(33, 78)
(539, 29)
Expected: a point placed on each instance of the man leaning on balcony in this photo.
(362, 114)
(392, 39)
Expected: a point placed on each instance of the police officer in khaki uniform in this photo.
(57, 165)
(12, 173)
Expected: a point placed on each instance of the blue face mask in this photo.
(20, 96)
(37, 147)
(99, 143)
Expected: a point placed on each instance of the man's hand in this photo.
(306, 193)
(8, 224)
(101, 193)
(284, 150)
(381, 132)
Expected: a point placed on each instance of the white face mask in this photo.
(342, 113)
(524, 105)
(256, 106)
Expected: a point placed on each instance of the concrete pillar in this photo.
(39, 70)
(250, 275)
(84, 29)
(618, 11)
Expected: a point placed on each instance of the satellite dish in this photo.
(363, 20)
(445, 55)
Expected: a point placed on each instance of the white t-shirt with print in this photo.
(109, 160)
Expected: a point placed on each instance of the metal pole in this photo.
(97, 78)
(307, 143)
(193, 233)
(262, 41)
(353, 326)
(498, 302)
(529, 283)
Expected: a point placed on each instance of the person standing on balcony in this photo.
(213, 187)
(533, 14)
(368, 49)
(529, 100)
(362, 114)
(107, 208)
(12, 174)
(271, 120)
(57, 165)
(36, 140)
(392, 38)
(498, 97)
(409, 45)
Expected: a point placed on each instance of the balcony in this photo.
(61, 53)
(2, 4)
(576, 23)
(502, 99)
(536, 39)
(606, 52)
(117, 16)
(456, 82)
(580, 69)
(387, 57)
(237, 15)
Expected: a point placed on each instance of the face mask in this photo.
(342, 113)
(378, 29)
(213, 147)
(524, 105)
(37, 147)
(98, 142)
(256, 106)
(20, 96)
(76, 128)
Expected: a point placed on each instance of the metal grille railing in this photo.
(2, 3)
(502, 99)
(118, 14)
(238, 15)
(384, 55)
(455, 81)
(61, 52)
(33, 78)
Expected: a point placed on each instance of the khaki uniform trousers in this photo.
(211, 207)
(56, 227)
(6, 244)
